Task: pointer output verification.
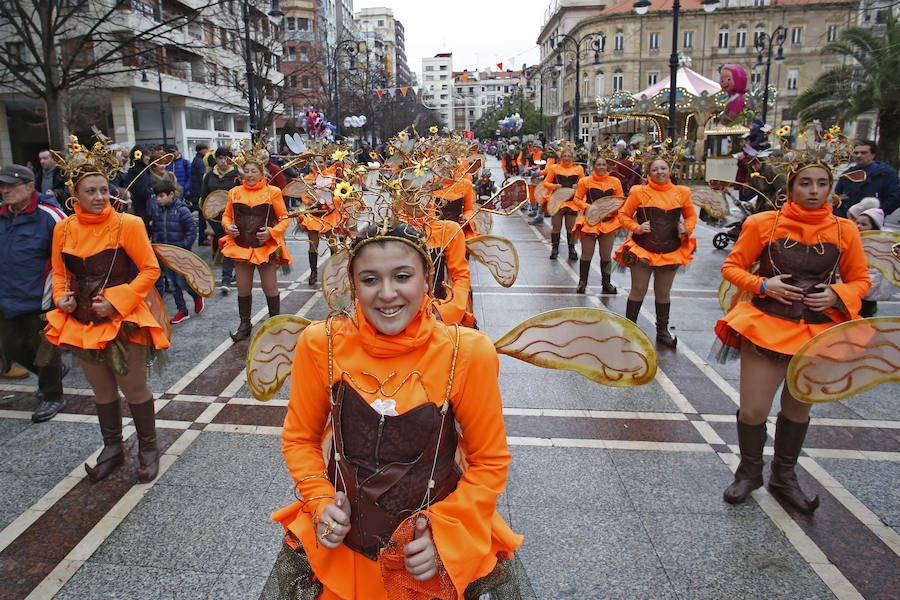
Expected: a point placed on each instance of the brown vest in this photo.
(90, 275)
(568, 181)
(452, 210)
(386, 462)
(249, 220)
(807, 268)
(663, 236)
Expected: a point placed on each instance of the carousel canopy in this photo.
(691, 81)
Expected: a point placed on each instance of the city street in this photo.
(618, 491)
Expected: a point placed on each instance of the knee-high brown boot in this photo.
(633, 309)
(662, 325)
(274, 303)
(245, 307)
(748, 477)
(112, 455)
(313, 267)
(606, 276)
(783, 482)
(144, 417)
(554, 246)
(584, 270)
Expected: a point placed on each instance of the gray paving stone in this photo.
(18, 492)
(236, 587)
(10, 428)
(874, 483)
(675, 482)
(95, 581)
(726, 556)
(583, 553)
(51, 448)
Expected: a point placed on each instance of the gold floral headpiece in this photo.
(813, 146)
(566, 146)
(669, 151)
(252, 152)
(81, 161)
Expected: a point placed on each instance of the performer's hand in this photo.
(421, 555)
(643, 228)
(682, 230)
(263, 235)
(67, 302)
(334, 522)
(102, 307)
(781, 291)
(232, 230)
(819, 301)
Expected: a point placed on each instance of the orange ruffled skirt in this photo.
(65, 330)
(630, 252)
(766, 331)
(257, 256)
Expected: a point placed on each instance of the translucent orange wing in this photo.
(714, 202)
(883, 252)
(498, 254)
(336, 281)
(483, 222)
(598, 344)
(297, 188)
(602, 208)
(475, 167)
(559, 196)
(846, 359)
(214, 204)
(730, 295)
(509, 199)
(271, 354)
(195, 270)
(158, 310)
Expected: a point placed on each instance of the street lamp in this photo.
(764, 43)
(641, 7)
(162, 106)
(353, 47)
(541, 73)
(275, 16)
(598, 43)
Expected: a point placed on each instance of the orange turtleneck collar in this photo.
(664, 187)
(792, 210)
(91, 218)
(417, 333)
(257, 186)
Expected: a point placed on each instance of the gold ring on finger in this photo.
(329, 528)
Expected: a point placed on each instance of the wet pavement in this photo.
(617, 490)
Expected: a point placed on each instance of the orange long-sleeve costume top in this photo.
(333, 217)
(589, 190)
(536, 154)
(459, 197)
(85, 235)
(559, 175)
(412, 368)
(448, 237)
(664, 206)
(252, 196)
(821, 244)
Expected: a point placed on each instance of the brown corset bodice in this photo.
(808, 265)
(386, 464)
(568, 181)
(452, 210)
(249, 220)
(663, 236)
(89, 277)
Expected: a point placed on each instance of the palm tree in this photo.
(868, 81)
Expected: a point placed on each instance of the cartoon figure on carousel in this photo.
(733, 79)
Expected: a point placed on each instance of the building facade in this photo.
(635, 49)
(478, 92)
(303, 62)
(437, 86)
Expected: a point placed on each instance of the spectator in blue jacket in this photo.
(26, 238)
(182, 169)
(172, 223)
(881, 181)
(198, 170)
(138, 185)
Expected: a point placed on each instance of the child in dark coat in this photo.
(172, 223)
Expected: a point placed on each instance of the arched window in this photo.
(585, 85)
(618, 80)
(723, 36)
(757, 33)
(740, 40)
(619, 41)
(599, 84)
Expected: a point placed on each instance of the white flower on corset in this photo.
(385, 407)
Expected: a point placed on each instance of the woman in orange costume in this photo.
(550, 158)
(458, 195)
(801, 250)
(320, 224)
(590, 189)
(565, 173)
(254, 222)
(658, 244)
(392, 383)
(101, 313)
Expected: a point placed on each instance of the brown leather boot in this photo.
(633, 309)
(554, 246)
(748, 477)
(112, 455)
(245, 306)
(606, 276)
(783, 482)
(144, 417)
(313, 268)
(274, 303)
(662, 325)
(584, 269)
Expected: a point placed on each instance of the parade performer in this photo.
(458, 199)
(322, 201)
(564, 174)
(254, 224)
(659, 243)
(812, 274)
(590, 189)
(223, 176)
(103, 271)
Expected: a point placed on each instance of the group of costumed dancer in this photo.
(394, 435)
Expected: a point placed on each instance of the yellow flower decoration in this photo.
(342, 189)
(420, 167)
(395, 184)
(138, 154)
(339, 154)
(786, 130)
(76, 147)
(433, 129)
(828, 137)
(402, 135)
(668, 140)
(373, 155)
(835, 129)
(754, 174)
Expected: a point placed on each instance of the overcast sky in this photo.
(479, 33)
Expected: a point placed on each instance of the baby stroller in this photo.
(733, 229)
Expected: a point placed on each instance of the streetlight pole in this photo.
(641, 7)
(275, 16)
(162, 106)
(598, 44)
(764, 43)
(352, 49)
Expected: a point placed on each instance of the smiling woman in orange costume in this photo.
(392, 394)
(590, 189)
(563, 174)
(658, 244)
(801, 249)
(254, 222)
(101, 313)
